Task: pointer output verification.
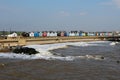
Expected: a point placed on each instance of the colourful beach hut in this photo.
(25, 34)
(36, 34)
(62, 34)
(40, 34)
(44, 34)
(97, 34)
(65, 33)
(80, 33)
(58, 33)
(110, 34)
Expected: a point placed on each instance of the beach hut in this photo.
(106, 34)
(48, 34)
(36, 34)
(55, 33)
(110, 34)
(40, 34)
(80, 33)
(44, 34)
(13, 35)
(83, 34)
(58, 33)
(69, 34)
(31, 34)
(101, 34)
(62, 34)
(65, 33)
(97, 34)
(76, 33)
(25, 34)
(91, 34)
(72, 33)
(52, 33)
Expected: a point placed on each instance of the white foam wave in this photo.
(15, 56)
(114, 43)
(44, 52)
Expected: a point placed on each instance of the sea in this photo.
(96, 60)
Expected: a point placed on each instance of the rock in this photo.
(25, 50)
(2, 65)
(118, 61)
(102, 57)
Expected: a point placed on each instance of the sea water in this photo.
(97, 60)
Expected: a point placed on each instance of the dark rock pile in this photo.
(25, 50)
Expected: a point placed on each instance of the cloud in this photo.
(83, 13)
(63, 13)
(117, 3)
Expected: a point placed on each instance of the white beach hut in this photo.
(13, 35)
(31, 34)
(48, 33)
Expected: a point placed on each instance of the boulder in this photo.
(25, 50)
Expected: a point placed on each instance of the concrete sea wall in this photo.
(42, 40)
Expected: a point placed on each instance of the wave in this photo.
(114, 43)
(44, 52)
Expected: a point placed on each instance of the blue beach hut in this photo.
(65, 34)
(80, 33)
(36, 34)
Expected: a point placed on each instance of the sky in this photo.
(56, 15)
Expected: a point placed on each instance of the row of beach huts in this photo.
(63, 34)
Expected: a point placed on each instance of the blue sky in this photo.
(38, 15)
